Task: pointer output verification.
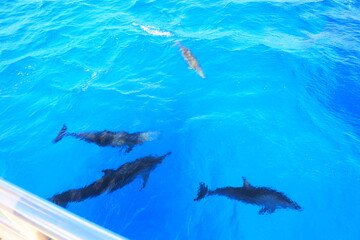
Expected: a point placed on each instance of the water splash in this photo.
(153, 30)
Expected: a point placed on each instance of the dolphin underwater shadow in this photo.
(112, 180)
(191, 60)
(269, 199)
(112, 139)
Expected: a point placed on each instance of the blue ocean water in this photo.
(279, 105)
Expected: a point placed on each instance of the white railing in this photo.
(27, 217)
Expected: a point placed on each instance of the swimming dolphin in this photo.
(107, 138)
(112, 180)
(269, 199)
(191, 60)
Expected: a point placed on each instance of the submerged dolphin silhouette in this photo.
(107, 138)
(112, 180)
(269, 199)
(191, 60)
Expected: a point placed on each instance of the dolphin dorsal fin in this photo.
(246, 183)
(108, 171)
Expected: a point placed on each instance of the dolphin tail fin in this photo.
(61, 134)
(201, 73)
(202, 192)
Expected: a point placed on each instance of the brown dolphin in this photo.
(191, 60)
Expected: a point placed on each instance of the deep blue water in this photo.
(280, 106)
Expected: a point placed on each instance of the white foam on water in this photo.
(153, 30)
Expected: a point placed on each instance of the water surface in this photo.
(279, 106)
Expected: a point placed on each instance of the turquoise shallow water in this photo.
(280, 106)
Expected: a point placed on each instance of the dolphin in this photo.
(191, 60)
(267, 198)
(112, 180)
(107, 138)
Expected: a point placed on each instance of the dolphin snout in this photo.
(297, 207)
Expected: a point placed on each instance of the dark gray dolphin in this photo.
(112, 139)
(267, 198)
(112, 180)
